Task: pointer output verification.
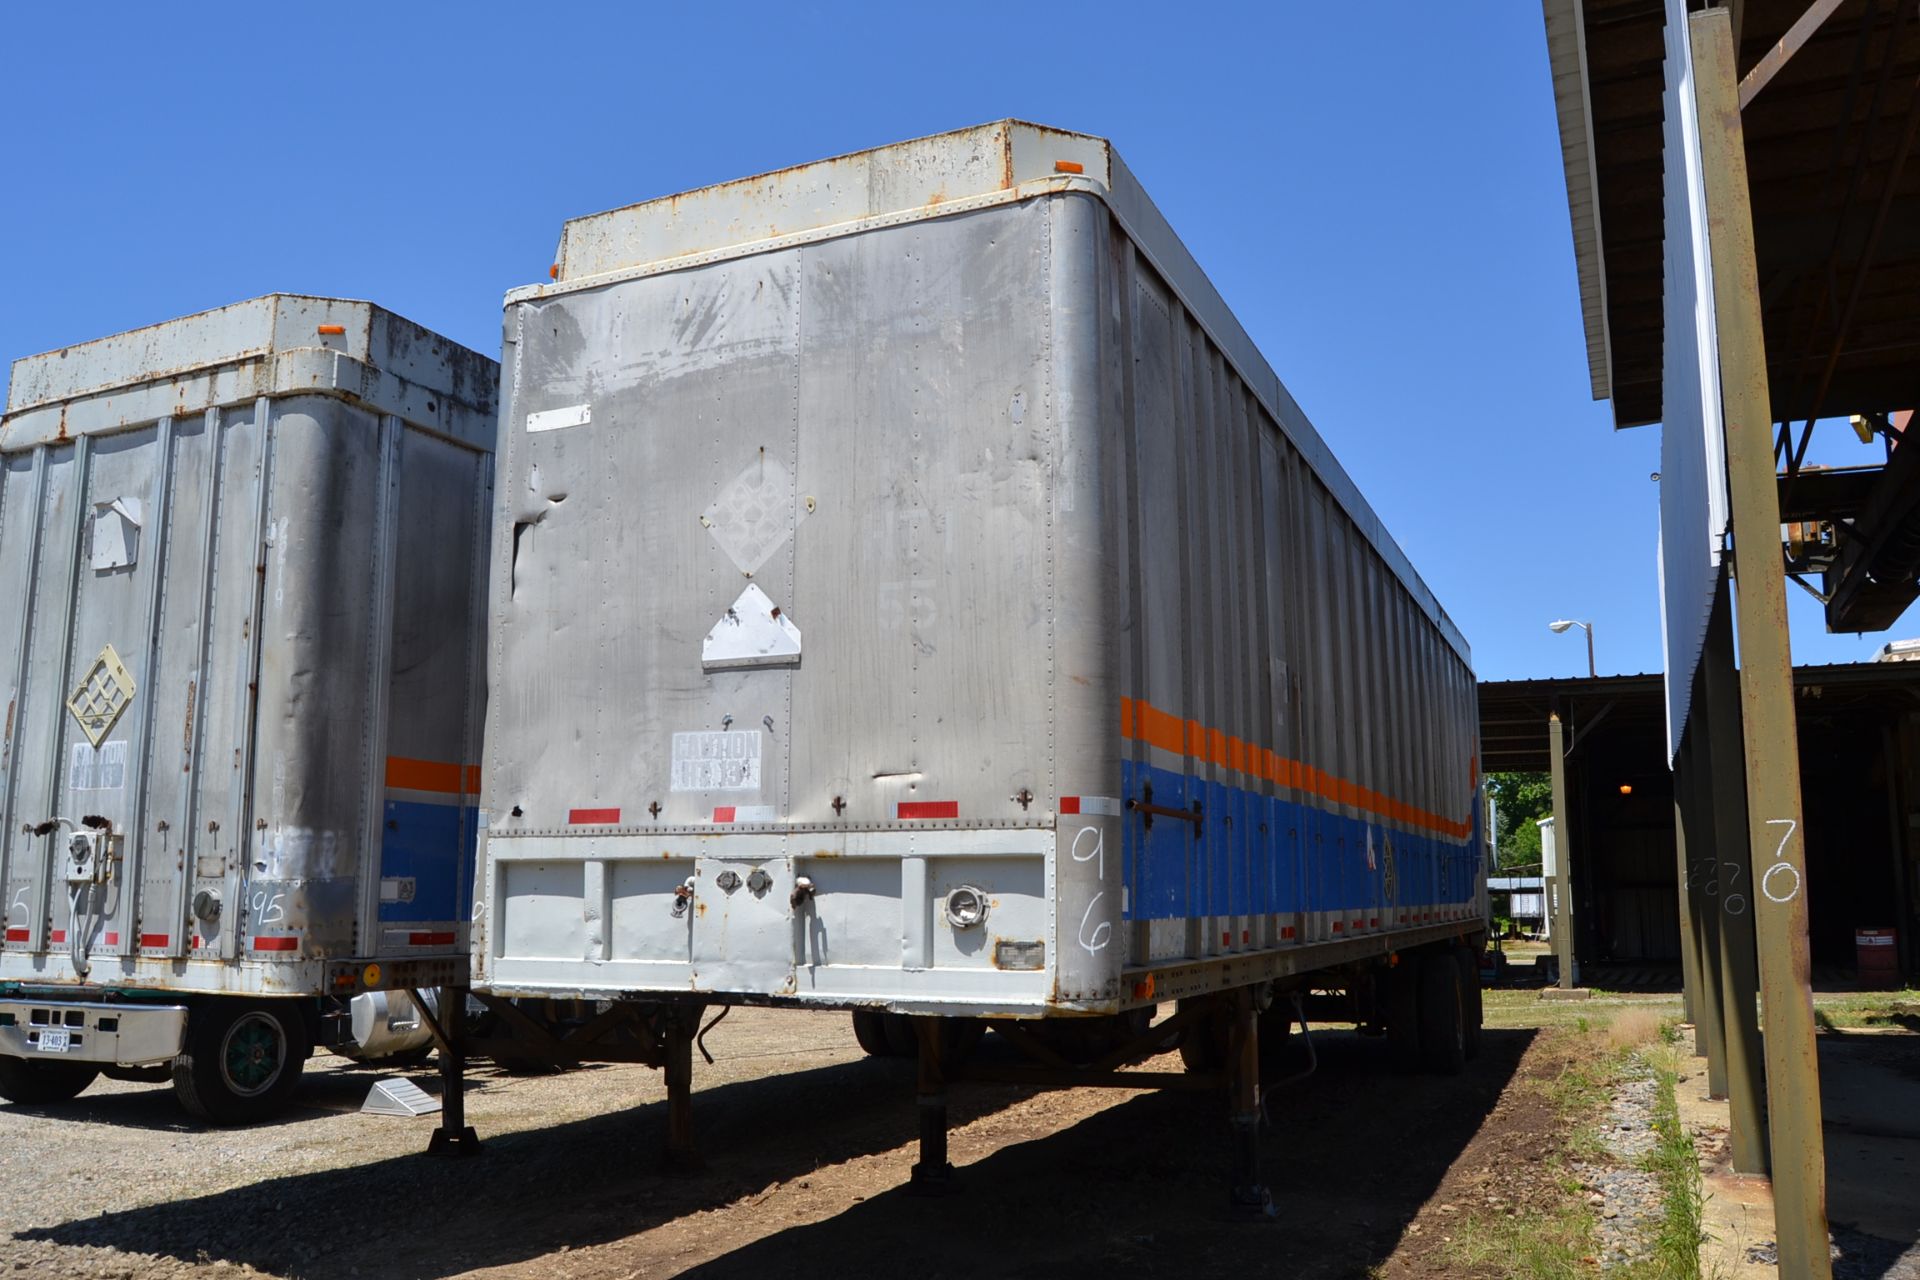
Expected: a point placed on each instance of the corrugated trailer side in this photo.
(1051, 668)
(1288, 687)
(238, 783)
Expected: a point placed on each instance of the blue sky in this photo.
(1375, 189)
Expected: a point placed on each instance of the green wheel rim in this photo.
(253, 1054)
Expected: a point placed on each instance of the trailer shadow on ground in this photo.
(530, 1193)
(1352, 1154)
(1138, 1189)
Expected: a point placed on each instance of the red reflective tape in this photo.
(1374, 923)
(58, 935)
(199, 941)
(724, 813)
(1286, 931)
(1226, 938)
(1069, 804)
(18, 935)
(911, 809)
(593, 817)
(430, 939)
(154, 939)
(113, 940)
(285, 942)
(1337, 926)
(1246, 935)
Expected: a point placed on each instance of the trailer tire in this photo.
(1472, 1001)
(870, 1029)
(1205, 1041)
(242, 1060)
(1400, 1000)
(39, 1084)
(898, 1030)
(1443, 1023)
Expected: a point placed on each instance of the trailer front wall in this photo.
(866, 430)
(1283, 687)
(298, 625)
(1048, 556)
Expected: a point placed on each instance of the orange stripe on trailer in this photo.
(1141, 721)
(407, 774)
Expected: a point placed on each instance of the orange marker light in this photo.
(553, 272)
(1068, 166)
(332, 330)
(1626, 788)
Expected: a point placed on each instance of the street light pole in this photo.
(1560, 628)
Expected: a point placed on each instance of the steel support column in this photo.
(1770, 740)
(1710, 1030)
(1730, 892)
(1689, 960)
(1560, 887)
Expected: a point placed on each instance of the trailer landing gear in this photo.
(682, 1027)
(1248, 1197)
(933, 1175)
(454, 1138)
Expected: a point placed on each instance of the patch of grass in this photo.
(1634, 1026)
(1675, 1163)
(1554, 1245)
(1868, 1009)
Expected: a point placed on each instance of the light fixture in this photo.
(1626, 788)
(966, 907)
(1560, 626)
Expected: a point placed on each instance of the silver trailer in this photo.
(243, 696)
(915, 594)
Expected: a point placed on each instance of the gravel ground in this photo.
(808, 1145)
(1626, 1199)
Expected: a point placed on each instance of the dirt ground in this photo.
(808, 1149)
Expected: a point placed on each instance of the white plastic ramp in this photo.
(398, 1097)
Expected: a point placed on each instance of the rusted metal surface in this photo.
(1694, 785)
(1730, 892)
(1774, 813)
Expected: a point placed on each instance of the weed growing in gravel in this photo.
(1676, 1241)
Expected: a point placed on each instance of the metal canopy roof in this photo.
(1513, 713)
(1834, 185)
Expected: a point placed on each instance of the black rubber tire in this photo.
(870, 1029)
(1400, 1011)
(1443, 1023)
(898, 1028)
(1204, 1042)
(33, 1083)
(242, 1060)
(1472, 1002)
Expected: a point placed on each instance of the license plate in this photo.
(54, 1041)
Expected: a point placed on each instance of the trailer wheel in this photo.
(35, 1084)
(1472, 1002)
(1443, 1023)
(870, 1029)
(898, 1030)
(1204, 1041)
(242, 1061)
(1400, 996)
